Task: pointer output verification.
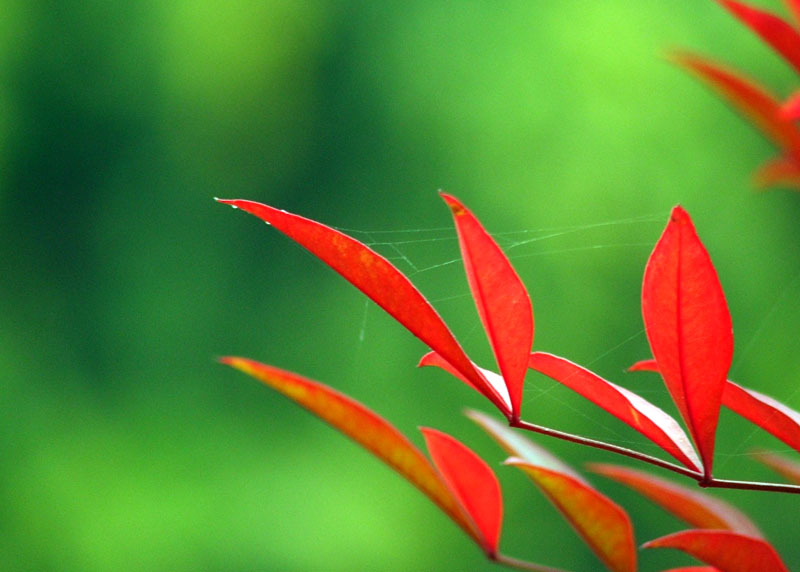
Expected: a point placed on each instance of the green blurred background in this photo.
(126, 446)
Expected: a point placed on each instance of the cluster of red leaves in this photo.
(773, 117)
(689, 330)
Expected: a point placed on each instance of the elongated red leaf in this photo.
(626, 406)
(775, 31)
(689, 328)
(379, 280)
(787, 468)
(366, 428)
(696, 508)
(747, 97)
(603, 524)
(694, 569)
(472, 482)
(771, 415)
(500, 296)
(726, 550)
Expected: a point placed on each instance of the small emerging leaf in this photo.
(725, 550)
(472, 482)
(750, 99)
(787, 468)
(365, 427)
(696, 508)
(626, 406)
(500, 296)
(379, 280)
(775, 31)
(603, 524)
(689, 328)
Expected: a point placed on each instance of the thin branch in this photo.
(607, 447)
(753, 486)
(697, 476)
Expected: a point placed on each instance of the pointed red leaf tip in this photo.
(771, 415)
(696, 508)
(775, 31)
(689, 328)
(500, 296)
(725, 550)
(787, 468)
(472, 483)
(747, 97)
(379, 280)
(363, 426)
(625, 405)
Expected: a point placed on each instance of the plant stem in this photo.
(697, 476)
(607, 447)
(523, 565)
(751, 486)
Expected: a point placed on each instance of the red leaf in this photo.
(379, 280)
(626, 406)
(726, 550)
(769, 414)
(694, 507)
(502, 301)
(789, 469)
(603, 524)
(775, 31)
(472, 482)
(750, 99)
(365, 427)
(689, 328)
(782, 171)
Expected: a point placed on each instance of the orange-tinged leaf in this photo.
(472, 482)
(626, 406)
(689, 328)
(783, 171)
(500, 296)
(694, 569)
(787, 468)
(794, 8)
(379, 280)
(603, 524)
(775, 31)
(747, 97)
(728, 551)
(365, 427)
(696, 508)
(771, 415)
